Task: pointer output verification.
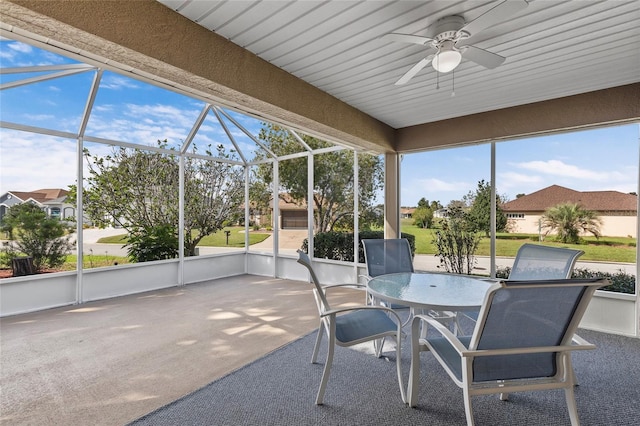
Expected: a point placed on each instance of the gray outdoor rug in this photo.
(280, 389)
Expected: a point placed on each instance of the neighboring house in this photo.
(617, 210)
(292, 215)
(407, 212)
(52, 201)
(440, 213)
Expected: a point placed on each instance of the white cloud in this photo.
(39, 117)
(33, 161)
(513, 180)
(559, 168)
(20, 47)
(433, 184)
(116, 82)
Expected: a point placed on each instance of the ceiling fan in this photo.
(446, 34)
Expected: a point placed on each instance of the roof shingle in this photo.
(591, 200)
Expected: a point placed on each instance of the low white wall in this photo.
(103, 283)
(611, 312)
(608, 312)
(37, 292)
(262, 264)
(210, 267)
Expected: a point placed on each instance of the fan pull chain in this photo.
(437, 80)
(453, 83)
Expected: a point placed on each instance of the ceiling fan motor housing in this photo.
(446, 28)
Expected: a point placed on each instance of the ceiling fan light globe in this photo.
(446, 61)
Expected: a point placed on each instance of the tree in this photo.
(333, 188)
(423, 217)
(44, 239)
(479, 213)
(457, 242)
(568, 220)
(138, 191)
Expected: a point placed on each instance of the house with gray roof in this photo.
(52, 201)
(617, 210)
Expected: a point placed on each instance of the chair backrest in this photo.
(387, 256)
(321, 299)
(525, 314)
(537, 262)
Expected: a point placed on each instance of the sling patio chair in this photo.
(538, 262)
(391, 256)
(522, 341)
(350, 326)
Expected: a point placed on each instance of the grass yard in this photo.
(605, 249)
(219, 239)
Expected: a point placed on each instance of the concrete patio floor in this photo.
(112, 361)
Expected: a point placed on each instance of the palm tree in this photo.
(569, 220)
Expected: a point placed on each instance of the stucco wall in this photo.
(612, 226)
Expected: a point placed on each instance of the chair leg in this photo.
(327, 370)
(316, 348)
(399, 368)
(467, 406)
(571, 406)
(377, 347)
(414, 371)
(571, 371)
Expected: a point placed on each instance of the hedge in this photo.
(621, 282)
(339, 245)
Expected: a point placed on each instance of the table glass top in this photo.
(431, 290)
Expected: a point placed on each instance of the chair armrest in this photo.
(358, 308)
(367, 278)
(355, 285)
(440, 328)
(529, 350)
(579, 341)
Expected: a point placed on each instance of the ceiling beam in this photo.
(616, 105)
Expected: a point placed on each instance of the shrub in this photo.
(456, 243)
(339, 245)
(156, 243)
(621, 282)
(44, 239)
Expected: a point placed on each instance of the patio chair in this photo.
(350, 326)
(538, 262)
(390, 256)
(387, 256)
(521, 342)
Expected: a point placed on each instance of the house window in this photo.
(515, 215)
(55, 212)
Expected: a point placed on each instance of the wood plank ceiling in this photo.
(553, 49)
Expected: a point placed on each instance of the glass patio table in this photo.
(430, 290)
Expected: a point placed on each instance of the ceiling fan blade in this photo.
(494, 16)
(407, 38)
(483, 57)
(414, 70)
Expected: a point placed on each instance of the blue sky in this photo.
(590, 160)
(136, 112)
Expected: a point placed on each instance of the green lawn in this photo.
(93, 261)
(606, 249)
(219, 239)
